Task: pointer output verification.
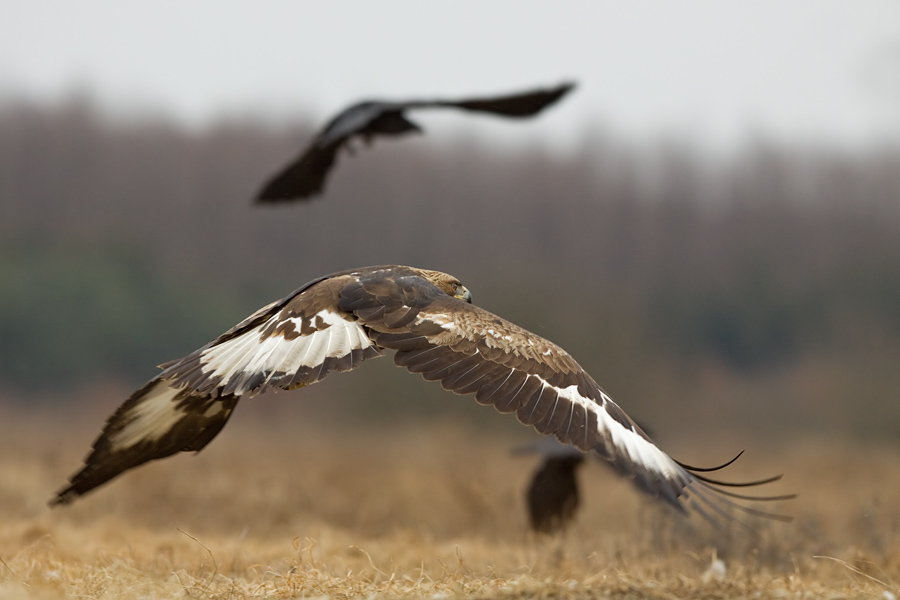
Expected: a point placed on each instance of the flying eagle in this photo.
(333, 324)
(305, 176)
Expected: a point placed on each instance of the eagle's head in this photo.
(448, 284)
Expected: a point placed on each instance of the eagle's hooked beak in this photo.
(463, 294)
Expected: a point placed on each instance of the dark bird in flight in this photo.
(552, 496)
(305, 176)
(336, 322)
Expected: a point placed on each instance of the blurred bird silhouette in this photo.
(305, 176)
(552, 495)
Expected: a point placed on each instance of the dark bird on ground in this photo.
(305, 176)
(335, 323)
(552, 496)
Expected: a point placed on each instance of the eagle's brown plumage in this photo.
(333, 324)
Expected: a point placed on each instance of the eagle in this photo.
(305, 176)
(337, 322)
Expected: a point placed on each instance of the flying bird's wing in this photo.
(287, 344)
(526, 104)
(305, 175)
(472, 351)
(333, 324)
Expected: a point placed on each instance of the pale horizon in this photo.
(718, 75)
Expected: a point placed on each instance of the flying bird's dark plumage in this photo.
(333, 324)
(553, 493)
(552, 496)
(305, 176)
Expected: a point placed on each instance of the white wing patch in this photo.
(444, 320)
(250, 353)
(626, 441)
(150, 419)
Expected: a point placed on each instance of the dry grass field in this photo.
(280, 508)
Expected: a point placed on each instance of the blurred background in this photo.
(710, 224)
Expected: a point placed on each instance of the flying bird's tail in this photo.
(155, 422)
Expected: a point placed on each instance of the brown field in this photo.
(279, 508)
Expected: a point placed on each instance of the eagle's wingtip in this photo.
(62, 497)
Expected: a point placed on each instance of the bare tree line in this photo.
(753, 259)
(627, 216)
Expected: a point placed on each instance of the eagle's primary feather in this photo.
(305, 175)
(333, 324)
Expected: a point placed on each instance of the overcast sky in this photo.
(717, 72)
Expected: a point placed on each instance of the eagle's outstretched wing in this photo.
(287, 344)
(336, 322)
(305, 175)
